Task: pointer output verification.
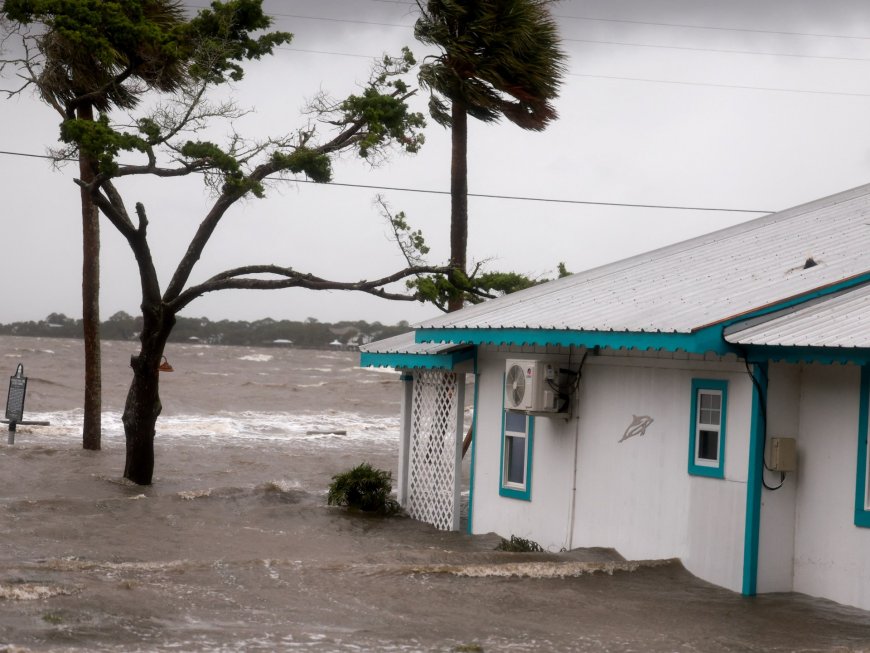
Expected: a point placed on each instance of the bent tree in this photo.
(496, 58)
(82, 52)
(166, 142)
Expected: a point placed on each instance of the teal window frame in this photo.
(862, 491)
(514, 490)
(716, 469)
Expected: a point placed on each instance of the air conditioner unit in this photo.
(528, 386)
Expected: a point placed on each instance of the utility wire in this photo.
(681, 25)
(544, 199)
(717, 50)
(627, 44)
(711, 84)
(622, 43)
(517, 198)
(716, 28)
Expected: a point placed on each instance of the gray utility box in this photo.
(781, 454)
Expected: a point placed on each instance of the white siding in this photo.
(637, 495)
(776, 537)
(832, 555)
(544, 518)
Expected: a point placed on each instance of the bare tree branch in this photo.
(239, 278)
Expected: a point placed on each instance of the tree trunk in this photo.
(91, 430)
(143, 405)
(458, 198)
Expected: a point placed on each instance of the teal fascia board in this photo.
(862, 515)
(699, 342)
(826, 355)
(471, 467)
(707, 339)
(416, 361)
(757, 435)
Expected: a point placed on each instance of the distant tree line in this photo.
(267, 332)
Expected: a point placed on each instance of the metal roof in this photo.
(841, 320)
(402, 352)
(404, 344)
(698, 282)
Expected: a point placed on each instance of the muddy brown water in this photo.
(234, 549)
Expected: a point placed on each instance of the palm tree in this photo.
(497, 58)
(80, 76)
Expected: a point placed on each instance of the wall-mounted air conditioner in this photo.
(530, 386)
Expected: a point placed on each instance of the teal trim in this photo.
(825, 355)
(862, 514)
(851, 282)
(699, 342)
(513, 493)
(757, 436)
(474, 435)
(717, 470)
(416, 361)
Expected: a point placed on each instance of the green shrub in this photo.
(519, 545)
(364, 488)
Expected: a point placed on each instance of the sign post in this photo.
(15, 400)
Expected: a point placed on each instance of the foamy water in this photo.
(233, 547)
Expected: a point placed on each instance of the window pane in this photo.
(708, 445)
(705, 400)
(514, 422)
(515, 465)
(706, 416)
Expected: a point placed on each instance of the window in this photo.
(862, 487)
(707, 435)
(516, 455)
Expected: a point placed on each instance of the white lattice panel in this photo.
(433, 463)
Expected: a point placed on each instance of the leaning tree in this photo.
(93, 56)
(168, 144)
(497, 58)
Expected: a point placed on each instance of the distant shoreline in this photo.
(308, 334)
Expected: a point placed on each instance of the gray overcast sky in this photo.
(662, 105)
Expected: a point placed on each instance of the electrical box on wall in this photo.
(782, 454)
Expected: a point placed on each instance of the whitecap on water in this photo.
(257, 358)
(31, 592)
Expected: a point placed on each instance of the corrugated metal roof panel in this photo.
(698, 282)
(842, 320)
(401, 352)
(404, 344)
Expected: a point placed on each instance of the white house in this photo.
(706, 401)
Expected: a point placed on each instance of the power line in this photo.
(627, 44)
(542, 199)
(716, 28)
(517, 198)
(331, 53)
(718, 50)
(611, 20)
(680, 25)
(711, 84)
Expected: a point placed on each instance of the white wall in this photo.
(831, 554)
(545, 518)
(635, 496)
(777, 524)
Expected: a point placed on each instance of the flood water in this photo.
(234, 549)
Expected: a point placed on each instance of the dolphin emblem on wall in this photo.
(638, 426)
